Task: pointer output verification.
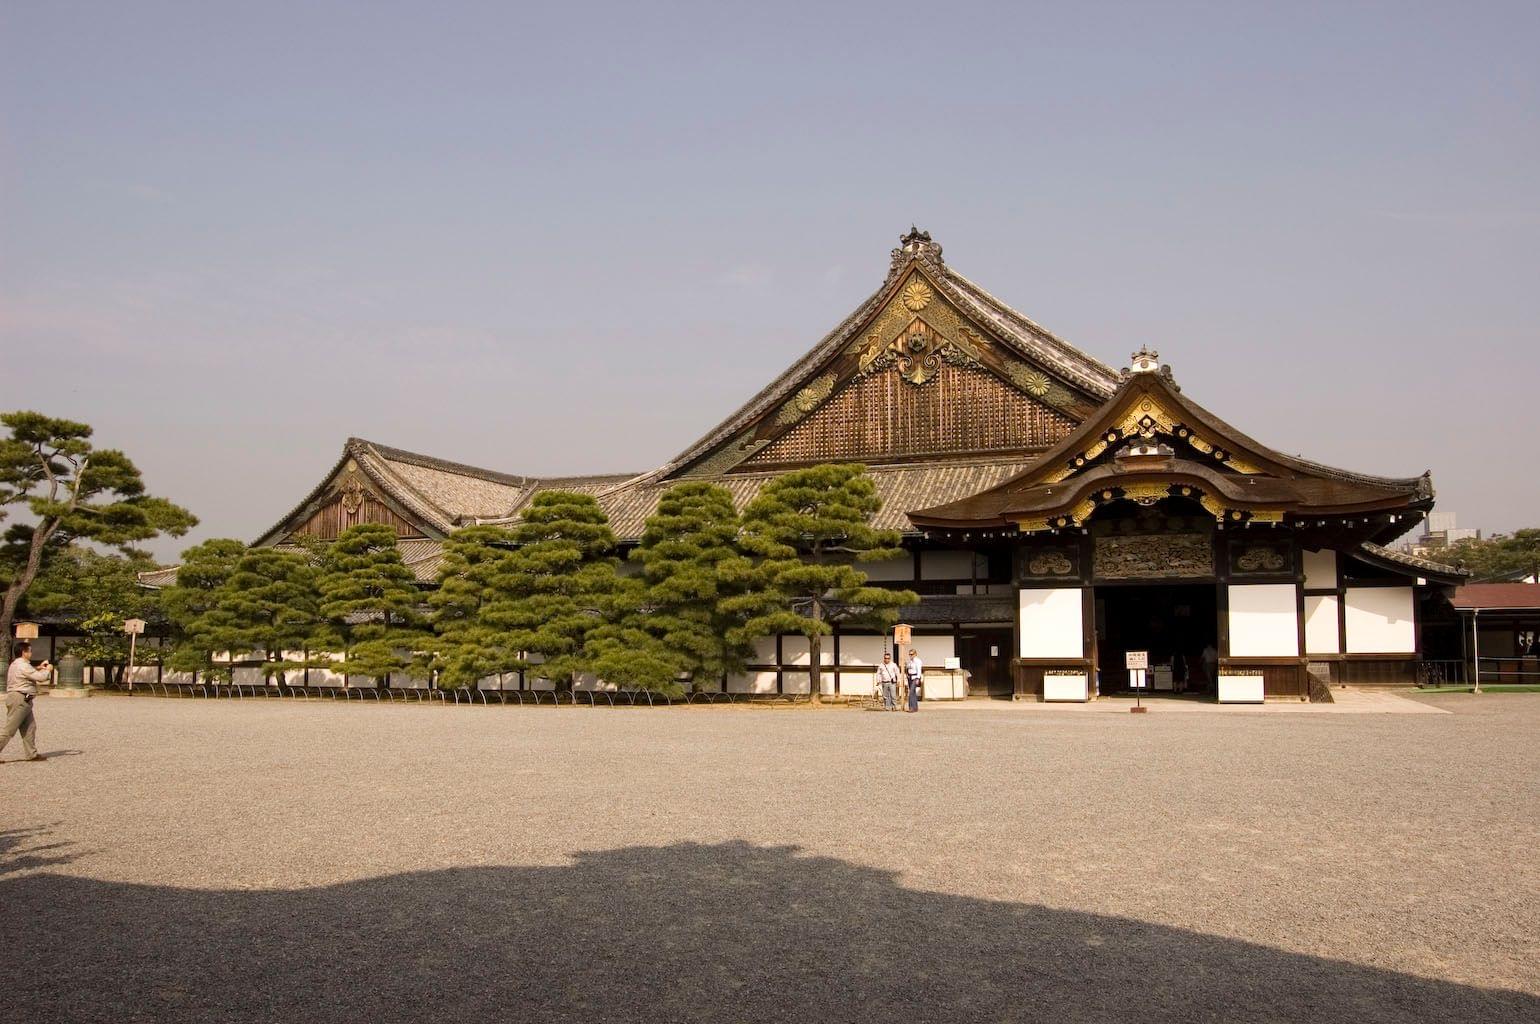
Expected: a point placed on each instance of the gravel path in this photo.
(247, 861)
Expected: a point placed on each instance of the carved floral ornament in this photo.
(1148, 419)
(1147, 495)
(352, 492)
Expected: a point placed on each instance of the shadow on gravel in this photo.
(26, 849)
(731, 932)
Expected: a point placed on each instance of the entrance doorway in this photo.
(1175, 623)
(986, 656)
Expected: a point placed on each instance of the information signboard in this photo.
(903, 634)
(1137, 659)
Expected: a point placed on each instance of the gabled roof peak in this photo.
(916, 247)
(1144, 361)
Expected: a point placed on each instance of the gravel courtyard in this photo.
(185, 860)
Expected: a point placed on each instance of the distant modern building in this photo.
(1439, 532)
(1056, 513)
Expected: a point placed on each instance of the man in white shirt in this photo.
(21, 681)
(914, 668)
(887, 678)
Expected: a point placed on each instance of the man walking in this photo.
(887, 678)
(915, 670)
(21, 681)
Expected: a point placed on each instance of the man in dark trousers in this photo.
(914, 668)
(21, 681)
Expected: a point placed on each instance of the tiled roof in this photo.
(1493, 596)
(1029, 340)
(902, 489)
(1426, 566)
(156, 579)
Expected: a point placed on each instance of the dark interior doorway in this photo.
(986, 656)
(1176, 623)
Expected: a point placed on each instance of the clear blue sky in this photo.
(570, 238)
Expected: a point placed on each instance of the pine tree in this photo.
(98, 592)
(624, 648)
(195, 594)
(269, 604)
(557, 585)
(808, 527)
(691, 564)
(467, 648)
(71, 491)
(370, 600)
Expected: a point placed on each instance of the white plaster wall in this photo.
(933, 651)
(795, 650)
(946, 565)
(764, 651)
(857, 683)
(1320, 570)
(1322, 635)
(796, 682)
(752, 682)
(1264, 621)
(1051, 623)
(1380, 620)
(862, 650)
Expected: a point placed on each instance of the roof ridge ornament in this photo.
(1146, 360)
(916, 246)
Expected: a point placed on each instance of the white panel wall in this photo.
(1051, 624)
(796, 682)
(752, 682)
(1264, 621)
(1320, 570)
(1380, 620)
(764, 651)
(946, 565)
(795, 650)
(933, 651)
(1321, 632)
(894, 569)
(862, 650)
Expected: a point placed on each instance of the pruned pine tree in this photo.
(624, 649)
(691, 565)
(557, 585)
(194, 596)
(809, 528)
(467, 648)
(269, 607)
(70, 490)
(371, 601)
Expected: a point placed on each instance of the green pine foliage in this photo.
(371, 602)
(97, 592)
(808, 528)
(193, 597)
(691, 565)
(269, 606)
(557, 585)
(625, 649)
(69, 490)
(467, 648)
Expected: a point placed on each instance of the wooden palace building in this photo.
(1056, 512)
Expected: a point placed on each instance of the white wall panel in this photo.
(1321, 633)
(1264, 621)
(862, 650)
(795, 650)
(1320, 570)
(1380, 620)
(857, 683)
(796, 682)
(1051, 623)
(764, 651)
(752, 682)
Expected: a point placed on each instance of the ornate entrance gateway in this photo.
(1157, 526)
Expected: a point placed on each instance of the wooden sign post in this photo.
(133, 627)
(1138, 664)
(903, 635)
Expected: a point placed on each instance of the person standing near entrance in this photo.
(914, 668)
(887, 678)
(21, 681)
